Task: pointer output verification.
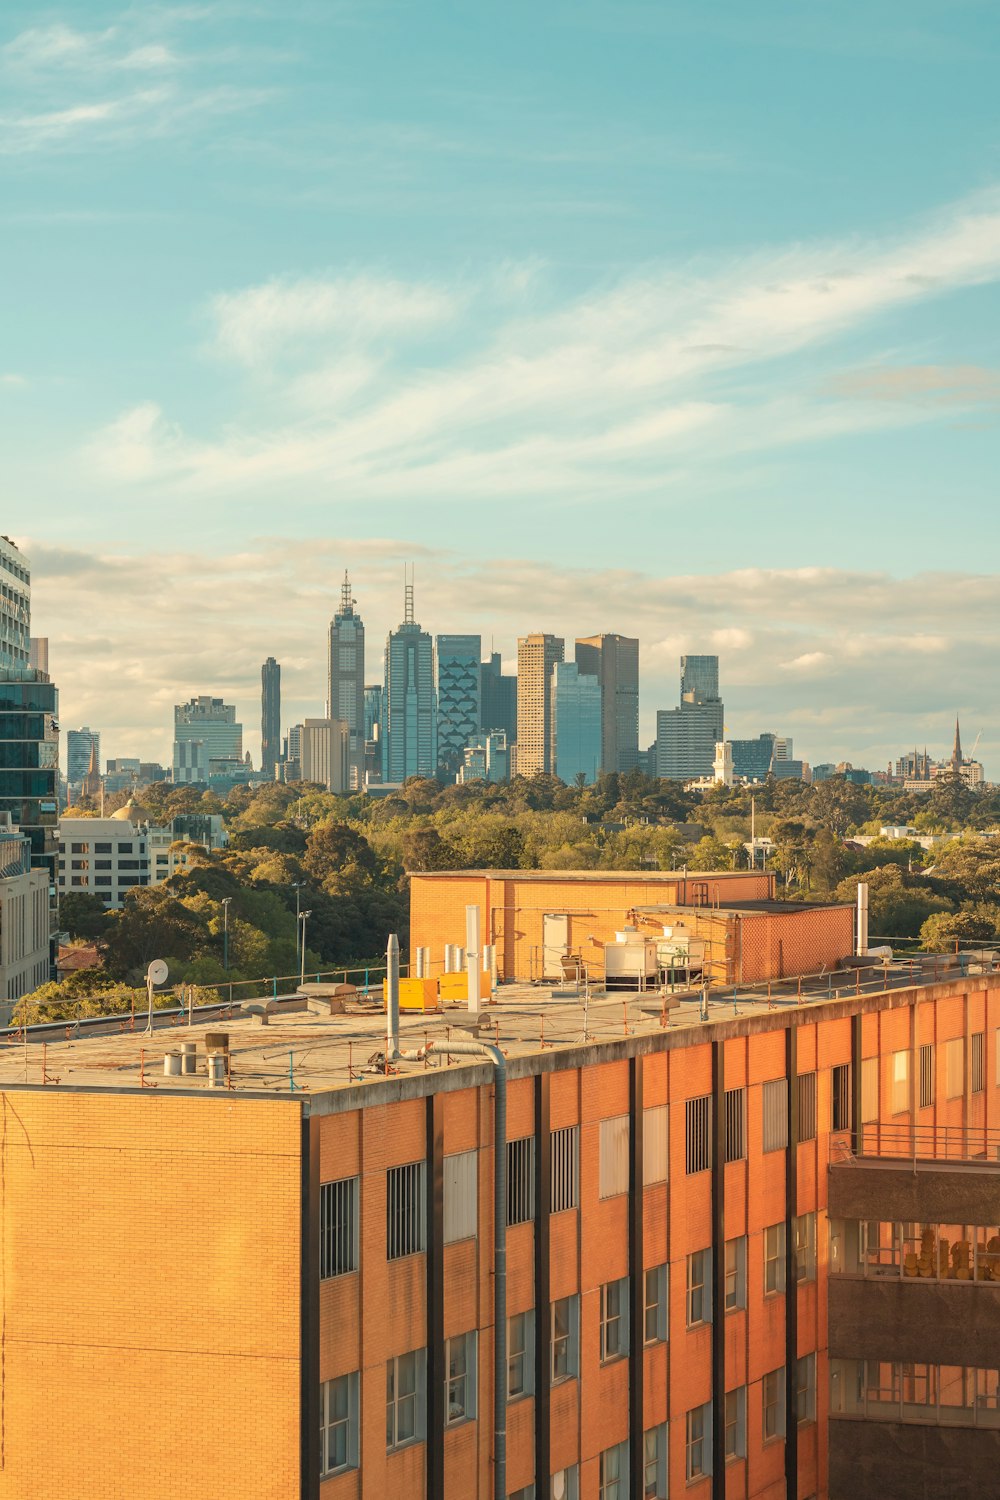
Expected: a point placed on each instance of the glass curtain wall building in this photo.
(29, 719)
(410, 743)
(576, 718)
(458, 697)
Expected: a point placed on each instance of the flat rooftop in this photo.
(595, 877)
(302, 1053)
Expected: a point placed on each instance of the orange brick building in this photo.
(286, 1285)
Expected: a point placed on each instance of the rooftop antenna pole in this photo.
(408, 617)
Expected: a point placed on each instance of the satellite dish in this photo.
(157, 972)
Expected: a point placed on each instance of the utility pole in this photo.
(225, 931)
(303, 917)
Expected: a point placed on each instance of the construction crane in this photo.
(972, 752)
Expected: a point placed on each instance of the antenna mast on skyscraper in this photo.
(408, 616)
(346, 601)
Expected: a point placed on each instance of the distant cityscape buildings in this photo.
(686, 736)
(408, 709)
(206, 732)
(537, 656)
(270, 717)
(614, 661)
(29, 724)
(459, 697)
(576, 724)
(345, 699)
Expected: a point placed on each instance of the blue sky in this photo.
(668, 318)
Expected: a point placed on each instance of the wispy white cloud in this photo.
(626, 383)
(922, 385)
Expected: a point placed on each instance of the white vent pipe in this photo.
(472, 955)
(862, 918)
(392, 997)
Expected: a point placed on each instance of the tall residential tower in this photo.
(270, 715)
(536, 656)
(410, 745)
(345, 697)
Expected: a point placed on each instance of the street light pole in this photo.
(303, 915)
(225, 931)
(297, 885)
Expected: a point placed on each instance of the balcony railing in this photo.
(919, 1143)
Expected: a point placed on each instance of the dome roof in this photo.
(132, 812)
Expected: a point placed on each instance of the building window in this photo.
(654, 1144)
(776, 1115)
(338, 1227)
(869, 1090)
(461, 1195)
(339, 1425)
(805, 1247)
(102, 879)
(736, 1423)
(614, 1157)
(773, 1398)
(843, 1104)
(655, 1297)
(460, 1379)
(736, 1273)
(521, 1180)
(900, 1082)
(806, 1107)
(805, 1389)
(565, 1333)
(954, 1061)
(565, 1163)
(102, 864)
(699, 1441)
(102, 848)
(926, 1075)
(774, 1258)
(81, 864)
(614, 1320)
(654, 1463)
(736, 1123)
(565, 1484)
(978, 1039)
(520, 1355)
(528, 1493)
(699, 1283)
(613, 1473)
(698, 1134)
(406, 1210)
(79, 849)
(405, 1415)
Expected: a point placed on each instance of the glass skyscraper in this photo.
(458, 697)
(576, 721)
(29, 723)
(270, 715)
(498, 698)
(614, 661)
(686, 736)
(345, 697)
(408, 718)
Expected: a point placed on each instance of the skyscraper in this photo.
(79, 743)
(686, 736)
(614, 661)
(458, 697)
(205, 729)
(270, 715)
(345, 698)
(325, 753)
(408, 717)
(498, 698)
(576, 723)
(536, 656)
(29, 727)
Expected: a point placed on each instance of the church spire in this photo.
(956, 754)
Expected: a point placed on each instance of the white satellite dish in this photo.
(157, 972)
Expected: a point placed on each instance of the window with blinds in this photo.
(954, 1066)
(521, 1180)
(698, 1134)
(926, 1075)
(654, 1144)
(776, 1114)
(614, 1156)
(736, 1124)
(338, 1227)
(869, 1090)
(564, 1148)
(978, 1060)
(900, 1082)
(461, 1195)
(806, 1107)
(842, 1104)
(406, 1210)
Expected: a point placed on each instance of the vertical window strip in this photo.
(776, 1114)
(614, 1156)
(338, 1227)
(654, 1144)
(807, 1106)
(698, 1134)
(736, 1115)
(978, 1062)
(565, 1161)
(521, 1180)
(869, 1090)
(926, 1075)
(406, 1226)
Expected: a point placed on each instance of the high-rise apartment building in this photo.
(205, 730)
(686, 736)
(743, 1244)
(29, 724)
(458, 697)
(498, 694)
(345, 697)
(408, 708)
(270, 716)
(536, 657)
(79, 745)
(614, 661)
(576, 723)
(325, 753)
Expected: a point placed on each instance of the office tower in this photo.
(783, 747)
(24, 917)
(270, 716)
(373, 711)
(79, 744)
(498, 698)
(410, 743)
(38, 653)
(486, 758)
(205, 729)
(29, 726)
(536, 656)
(345, 697)
(752, 759)
(458, 697)
(614, 661)
(325, 753)
(576, 723)
(686, 737)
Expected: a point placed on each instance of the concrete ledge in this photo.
(933, 1322)
(932, 1193)
(897, 1461)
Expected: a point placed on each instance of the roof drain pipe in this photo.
(486, 1049)
(392, 998)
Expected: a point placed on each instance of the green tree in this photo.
(898, 905)
(83, 916)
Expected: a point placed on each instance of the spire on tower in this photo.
(408, 615)
(346, 601)
(956, 754)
